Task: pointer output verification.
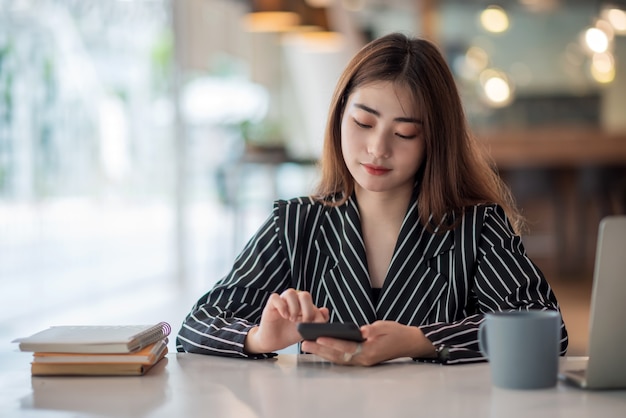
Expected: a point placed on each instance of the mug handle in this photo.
(482, 339)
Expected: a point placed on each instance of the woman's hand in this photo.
(384, 340)
(278, 326)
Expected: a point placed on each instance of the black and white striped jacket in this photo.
(442, 282)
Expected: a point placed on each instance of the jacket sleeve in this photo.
(505, 279)
(220, 320)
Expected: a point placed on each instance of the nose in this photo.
(378, 146)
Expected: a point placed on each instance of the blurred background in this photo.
(142, 142)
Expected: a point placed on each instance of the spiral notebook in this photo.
(94, 338)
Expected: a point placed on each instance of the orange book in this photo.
(94, 369)
(147, 355)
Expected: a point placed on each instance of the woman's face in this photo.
(382, 138)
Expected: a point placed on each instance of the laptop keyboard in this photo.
(578, 372)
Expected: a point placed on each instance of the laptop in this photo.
(605, 367)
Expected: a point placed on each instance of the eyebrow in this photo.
(377, 113)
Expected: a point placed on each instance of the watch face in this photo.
(442, 353)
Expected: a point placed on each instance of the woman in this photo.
(410, 234)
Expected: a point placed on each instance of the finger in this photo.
(290, 296)
(352, 357)
(309, 346)
(346, 357)
(325, 314)
(326, 352)
(277, 303)
(341, 346)
(366, 331)
(309, 312)
(374, 330)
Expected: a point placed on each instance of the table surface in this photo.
(184, 385)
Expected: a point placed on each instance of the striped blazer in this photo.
(440, 281)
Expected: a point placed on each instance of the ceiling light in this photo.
(596, 40)
(494, 19)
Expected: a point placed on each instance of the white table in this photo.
(188, 385)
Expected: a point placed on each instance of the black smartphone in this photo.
(344, 331)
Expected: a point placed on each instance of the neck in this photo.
(382, 206)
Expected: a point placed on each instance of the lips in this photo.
(376, 170)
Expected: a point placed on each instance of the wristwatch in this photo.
(443, 353)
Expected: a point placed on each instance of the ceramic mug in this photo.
(522, 348)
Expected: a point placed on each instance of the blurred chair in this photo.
(600, 192)
(540, 195)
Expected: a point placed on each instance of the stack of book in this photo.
(96, 349)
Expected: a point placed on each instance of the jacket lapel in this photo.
(347, 282)
(413, 288)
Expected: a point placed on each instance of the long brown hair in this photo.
(456, 173)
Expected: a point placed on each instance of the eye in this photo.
(408, 131)
(361, 125)
(406, 136)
